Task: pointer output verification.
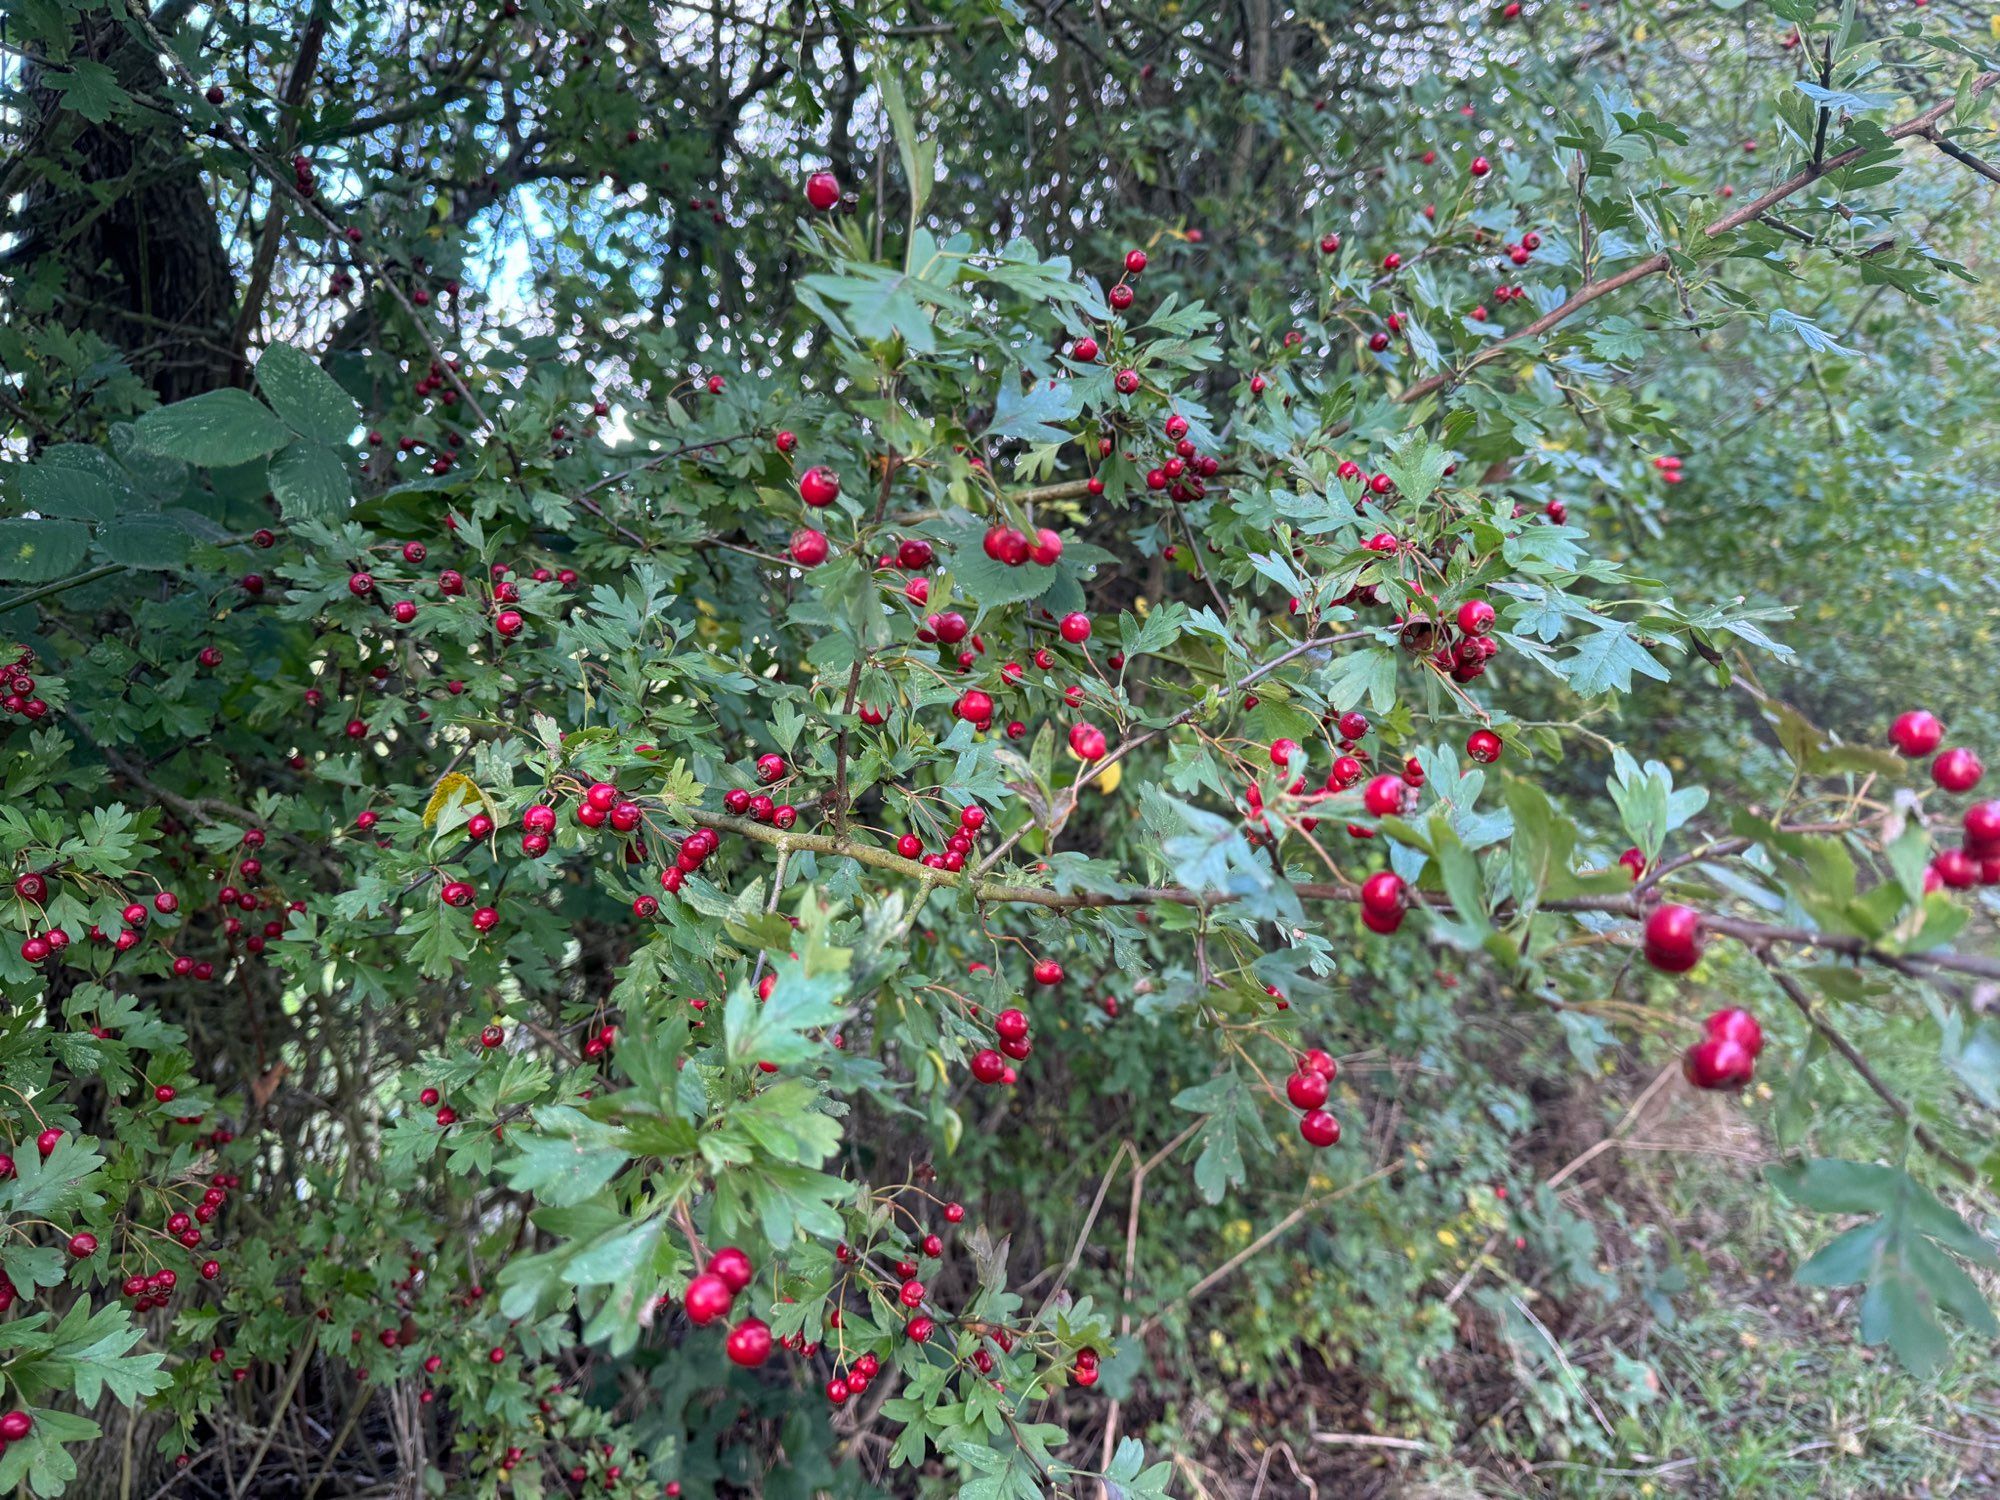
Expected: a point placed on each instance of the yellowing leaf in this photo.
(1108, 782)
(452, 787)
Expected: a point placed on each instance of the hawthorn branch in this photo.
(282, 183)
(311, 37)
(1924, 125)
(1796, 993)
(1104, 763)
(1631, 907)
(1959, 154)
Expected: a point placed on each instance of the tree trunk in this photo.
(127, 247)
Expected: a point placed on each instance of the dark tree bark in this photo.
(127, 246)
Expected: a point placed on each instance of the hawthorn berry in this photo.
(822, 190)
(1673, 938)
(819, 486)
(1319, 1128)
(1957, 770)
(749, 1342)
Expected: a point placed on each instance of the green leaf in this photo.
(88, 87)
(1830, 1186)
(1604, 661)
(59, 1184)
(567, 1158)
(146, 541)
(1543, 842)
(311, 483)
(1417, 468)
(1463, 887)
(1366, 673)
(41, 551)
(91, 1352)
(617, 1255)
(215, 430)
(75, 491)
(1028, 415)
(1810, 334)
(775, 1030)
(1846, 1259)
(306, 396)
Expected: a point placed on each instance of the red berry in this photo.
(1718, 1062)
(1483, 745)
(809, 547)
(819, 486)
(1087, 741)
(749, 1342)
(1916, 733)
(822, 190)
(1306, 1090)
(1957, 770)
(1384, 893)
(1383, 796)
(733, 1266)
(1319, 1128)
(1673, 939)
(708, 1297)
(1737, 1025)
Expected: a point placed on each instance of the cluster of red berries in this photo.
(32, 887)
(1726, 1055)
(991, 1065)
(1013, 548)
(860, 1374)
(957, 848)
(760, 807)
(1307, 1090)
(1668, 466)
(19, 698)
(711, 1294)
(1185, 473)
(1975, 861)
(693, 853)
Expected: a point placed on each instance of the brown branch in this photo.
(1918, 125)
(311, 37)
(1959, 154)
(1795, 992)
(1631, 906)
